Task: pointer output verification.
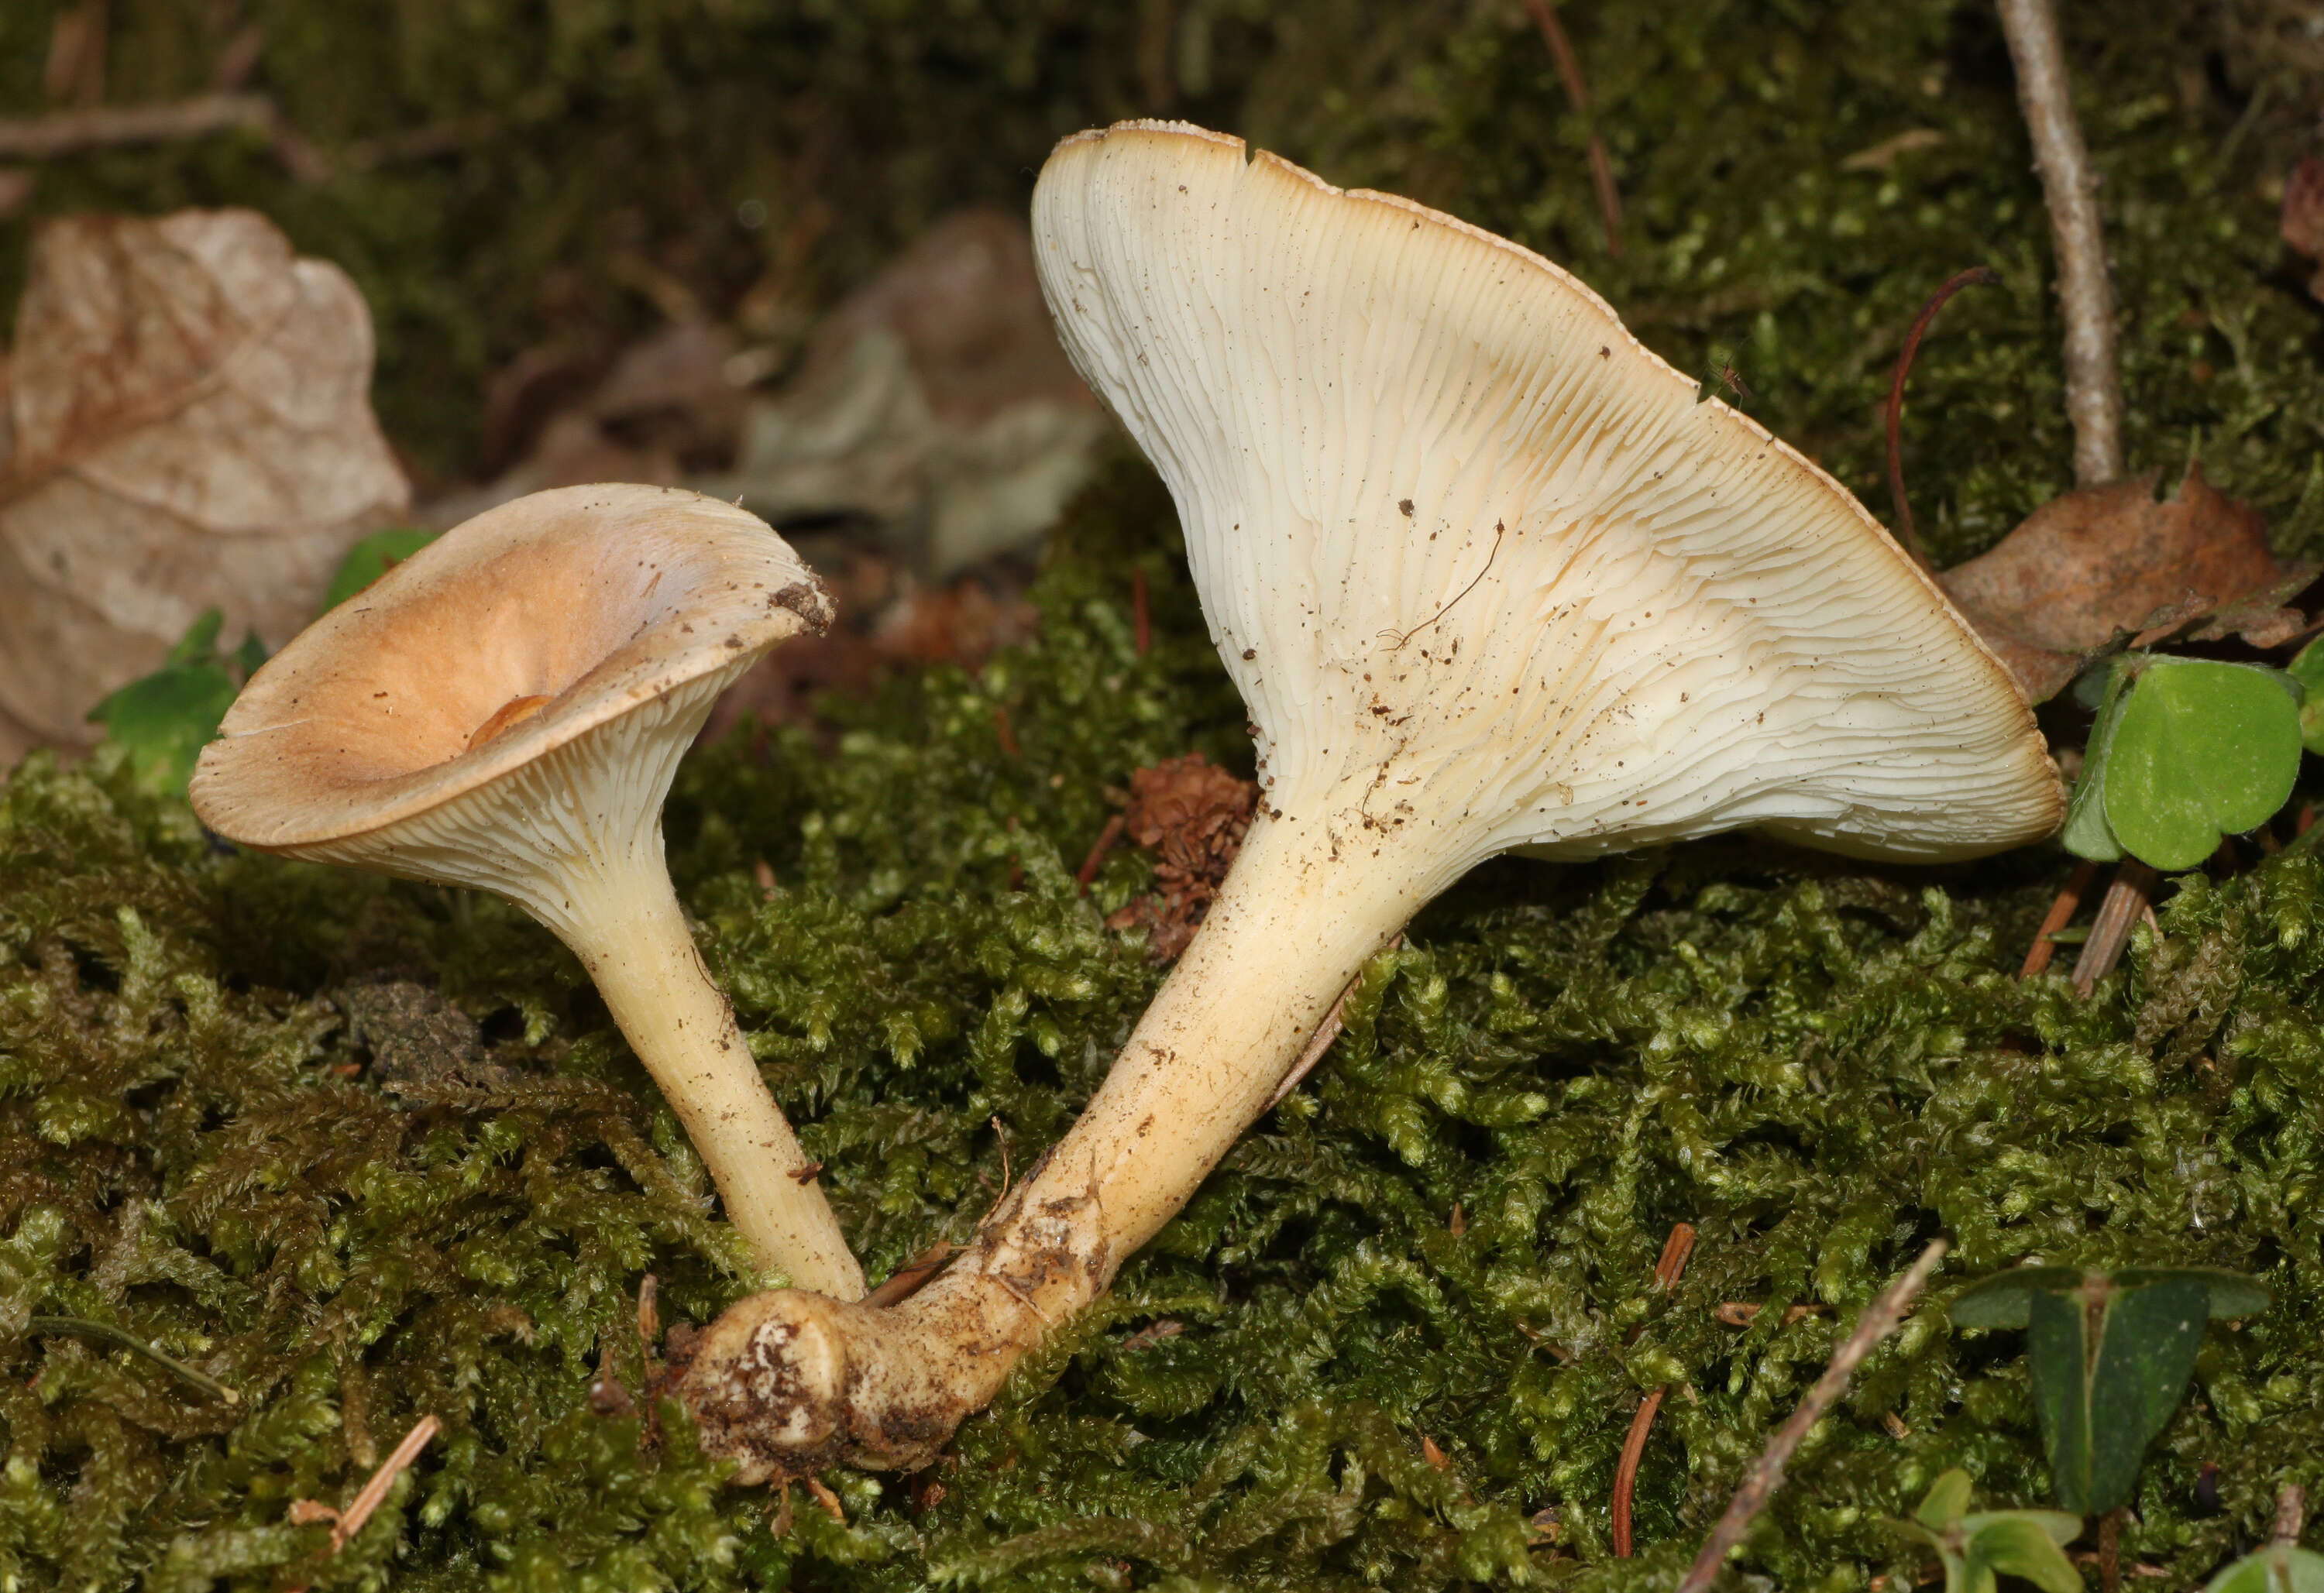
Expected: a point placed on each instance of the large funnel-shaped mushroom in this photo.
(1489, 575)
(506, 709)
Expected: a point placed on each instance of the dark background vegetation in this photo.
(1820, 1065)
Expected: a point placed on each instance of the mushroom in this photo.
(1491, 576)
(506, 709)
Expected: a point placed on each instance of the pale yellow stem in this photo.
(787, 1383)
(639, 952)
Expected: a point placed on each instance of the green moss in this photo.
(1820, 1065)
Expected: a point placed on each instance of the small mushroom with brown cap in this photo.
(1491, 576)
(506, 709)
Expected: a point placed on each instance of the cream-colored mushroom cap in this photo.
(563, 614)
(1457, 532)
(506, 710)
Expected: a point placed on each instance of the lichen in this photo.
(1449, 1233)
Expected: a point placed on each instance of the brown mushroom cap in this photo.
(600, 600)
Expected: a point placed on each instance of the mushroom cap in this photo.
(1458, 532)
(600, 599)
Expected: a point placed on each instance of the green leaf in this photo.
(2002, 1300)
(2025, 1543)
(2086, 833)
(1946, 1502)
(2280, 1568)
(2308, 670)
(372, 558)
(199, 642)
(2231, 1294)
(2201, 748)
(2102, 1402)
(166, 718)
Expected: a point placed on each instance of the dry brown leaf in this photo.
(2301, 223)
(2095, 564)
(1192, 815)
(189, 427)
(935, 398)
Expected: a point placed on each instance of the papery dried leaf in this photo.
(2100, 562)
(189, 426)
(937, 398)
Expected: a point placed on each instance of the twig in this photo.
(1878, 1321)
(1325, 1032)
(1006, 732)
(350, 1520)
(2291, 1514)
(1668, 1270)
(906, 1280)
(1086, 875)
(2125, 899)
(825, 1497)
(1976, 275)
(374, 1492)
(1625, 1472)
(2061, 913)
(2070, 190)
(1141, 614)
(1577, 90)
(70, 133)
(1676, 1248)
(82, 1328)
(1742, 1313)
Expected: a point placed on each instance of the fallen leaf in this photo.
(2099, 563)
(1192, 815)
(935, 398)
(883, 621)
(188, 427)
(2301, 223)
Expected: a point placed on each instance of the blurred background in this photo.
(775, 248)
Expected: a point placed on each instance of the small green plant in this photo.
(2308, 670)
(372, 558)
(1976, 1549)
(2111, 1355)
(163, 719)
(2184, 751)
(2280, 1568)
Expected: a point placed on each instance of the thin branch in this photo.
(374, 1492)
(2291, 1513)
(2062, 913)
(1880, 1319)
(2069, 190)
(1086, 875)
(1906, 533)
(68, 133)
(2119, 914)
(82, 1328)
(906, 1280)
(1325, 1032)
(1577, 90)
(1626, 1470)
(72, 133)
(345, 1524)
(1668, 1270)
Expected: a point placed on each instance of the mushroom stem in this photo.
(636, 946)
(788, 1383)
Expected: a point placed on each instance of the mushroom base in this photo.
(788, 1383)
